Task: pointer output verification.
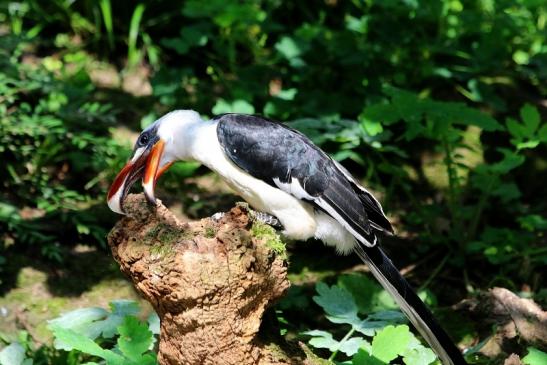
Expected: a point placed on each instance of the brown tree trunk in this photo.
(210, 283)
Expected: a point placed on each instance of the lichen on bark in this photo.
(209, 281)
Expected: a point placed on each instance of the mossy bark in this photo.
(209, 281)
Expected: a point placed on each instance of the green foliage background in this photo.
(437, 105)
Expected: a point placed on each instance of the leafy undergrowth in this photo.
(92, 336)
(383, 342)
(374, 333)
(439, 106)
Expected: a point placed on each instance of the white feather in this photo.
(296, 216)
(294, 188)
(333, 233)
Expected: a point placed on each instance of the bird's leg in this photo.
(266, 219)
(255, 216)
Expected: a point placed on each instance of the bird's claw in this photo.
(265, 218)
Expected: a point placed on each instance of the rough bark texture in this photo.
(518, 323)
(210, 282)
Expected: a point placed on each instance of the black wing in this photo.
(286, 159)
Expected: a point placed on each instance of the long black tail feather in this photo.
(387, 274)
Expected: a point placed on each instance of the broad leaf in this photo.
(535, 357)
(391, 342)
(83, 321)
(363, 357)
(530, 117)
(368, 294)
(154, 323)
(417, 354)
(337, 303)
(95, 322)
(324, 340)
(352, 345)
(13, 354)
(135, 338)
(68, 340)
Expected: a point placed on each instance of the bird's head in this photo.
(161, 144)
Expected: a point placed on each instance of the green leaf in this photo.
(352, 345)
(515, 128)
(530, 116)
(322, 340)
(535, 357)
(83, 321)
(363, 357)
(135, 338)
(417, 354)
(154, 323)
(95, 322)
(68, 340)
(13, 354)
(236, 106)
(510, 161)
(391, 342)
(533, 222)
(527, 144)
(371, 127)
(367, 293)
(288, 48)
(382, 113)
(190, 36)
(337, 303)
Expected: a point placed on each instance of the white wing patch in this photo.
(333, 213)
(294, 188)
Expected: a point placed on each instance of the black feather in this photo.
(270, 150)
(387, 274)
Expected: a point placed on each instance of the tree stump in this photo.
(209, 281)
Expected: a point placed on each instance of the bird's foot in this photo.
(265, 218)
(254, 215)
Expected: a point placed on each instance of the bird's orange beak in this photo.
(145, 163)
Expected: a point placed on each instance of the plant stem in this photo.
(453, 190)
(478, 211)
(434, 273)
(346, 337)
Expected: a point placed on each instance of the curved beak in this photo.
(145, 163)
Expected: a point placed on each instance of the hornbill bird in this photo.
(279, 171)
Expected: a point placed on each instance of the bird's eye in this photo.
(143, 139)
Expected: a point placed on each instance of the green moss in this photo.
(314, 359)
(265, 232)
(210, 232)
(276, 351)
(161, 250)
(162, 232)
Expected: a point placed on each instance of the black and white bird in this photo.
(279, 171)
